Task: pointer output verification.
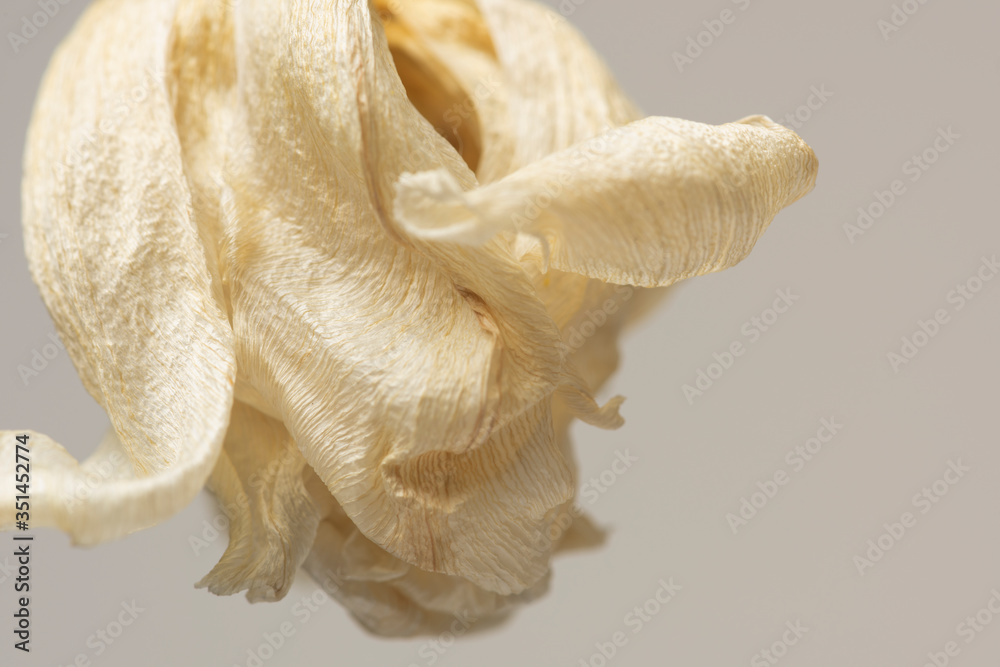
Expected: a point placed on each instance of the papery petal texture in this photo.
(121, 267)
(556, 93)
(414, 377)
(260, 481)
(355, 267)
(688, 199)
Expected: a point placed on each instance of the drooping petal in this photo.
(391, 597)
(415, 378)
(534, 86)
(113, 248)
(647, 204)
(259, 481)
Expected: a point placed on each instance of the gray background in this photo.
(825, 357)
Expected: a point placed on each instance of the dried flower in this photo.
(356, 267)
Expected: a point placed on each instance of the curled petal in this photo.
(119, 262)
(557, 92)
(391, 597)
(647, 204)
(260, 483)
(416, 378)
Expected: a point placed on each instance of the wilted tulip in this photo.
(356, 266)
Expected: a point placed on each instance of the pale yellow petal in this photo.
(259, 481)
(453, 36)
(647, 204)
(201, 80)
(390, 597)
(416, 378)
(556, 92)
(112, 245)
(559, 91)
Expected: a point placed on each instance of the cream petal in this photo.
(559, 92)
(414, 377)
(393, 607)
(259, 481)
(686, 199)
(556, 92)
(118, 260)
(455, 37)
(390, 597)
(433, 88)
(201, 81)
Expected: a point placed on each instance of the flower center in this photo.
(432, 87)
